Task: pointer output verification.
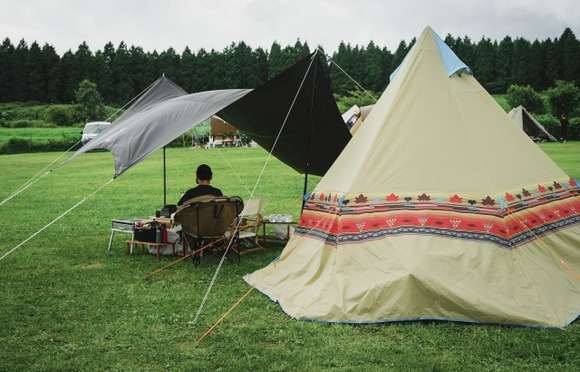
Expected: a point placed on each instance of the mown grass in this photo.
(39, 134)
(69, 304)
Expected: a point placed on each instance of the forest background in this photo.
(40, 89)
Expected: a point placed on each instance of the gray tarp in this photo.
(133, 137)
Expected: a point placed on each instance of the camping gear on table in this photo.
(167, 210)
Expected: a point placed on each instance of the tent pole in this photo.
(305, 191)
(164, 179)
(311, 128)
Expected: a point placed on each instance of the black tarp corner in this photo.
(294, 115)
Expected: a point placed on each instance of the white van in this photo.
(92, 129)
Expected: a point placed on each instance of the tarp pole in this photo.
(164, 179)
(315, 56)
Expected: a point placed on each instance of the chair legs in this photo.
(256, 246)
(204, 249)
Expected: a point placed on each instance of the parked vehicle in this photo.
(92, 129)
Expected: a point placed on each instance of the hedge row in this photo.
(19, 145)
(22, 146)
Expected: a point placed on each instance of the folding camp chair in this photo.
(251, 221)
(205, 222)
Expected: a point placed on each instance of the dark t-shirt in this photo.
(199, 191)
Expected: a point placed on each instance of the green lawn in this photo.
(39, 134)
(69, 304)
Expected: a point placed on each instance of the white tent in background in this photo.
(438, 208)
(351, 116)
(526, 122)
(354, 117)
(363, 113)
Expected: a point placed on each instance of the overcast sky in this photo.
(215, 24)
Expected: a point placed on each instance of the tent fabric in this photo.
(220, 126)
(140, 133)
(294, 116)
(452, 63)
(438, 208)
(525, 121)
(312, 137)
(364, 112)
(351, 115)
(161, 90)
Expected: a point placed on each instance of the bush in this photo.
(564, 98)
(60, 115)
(525, 96)
(552, 125)
(28, 123)
(20, 145)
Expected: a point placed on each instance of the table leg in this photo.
(111, 240)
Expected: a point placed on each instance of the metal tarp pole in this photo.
(164, 179)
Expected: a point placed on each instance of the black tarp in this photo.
(295, 116)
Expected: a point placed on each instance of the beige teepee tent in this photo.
(438, 208)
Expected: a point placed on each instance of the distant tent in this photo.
(529, 125)
(438, 208)
(363, 113)
(351, 116)
(220, 126)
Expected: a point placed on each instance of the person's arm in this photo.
(184, 197)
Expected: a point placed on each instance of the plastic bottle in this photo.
(158, 234)
(163, 234)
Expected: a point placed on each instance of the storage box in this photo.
(145, 233)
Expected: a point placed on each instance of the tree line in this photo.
(39, 74)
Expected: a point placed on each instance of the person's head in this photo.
(564, 116)
(203, 173)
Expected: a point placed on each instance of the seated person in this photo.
(203, 178)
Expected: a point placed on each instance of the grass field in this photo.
(69, 304)
(39, 134)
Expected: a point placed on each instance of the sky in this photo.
(216, 24)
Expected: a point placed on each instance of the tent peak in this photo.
(453, 65)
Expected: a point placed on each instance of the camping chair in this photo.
(205, 221)
(210, 142)
(218, 141)
(251, 220)
(237, 140)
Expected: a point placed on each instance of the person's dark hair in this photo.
(203, 172)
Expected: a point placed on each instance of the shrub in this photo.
(20, 145)
(552, 125)
(30, 123)
(564, 98)
(59, 115)
(525, 96)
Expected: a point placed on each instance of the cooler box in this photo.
(146, 233)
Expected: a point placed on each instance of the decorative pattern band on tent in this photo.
(547, 208)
